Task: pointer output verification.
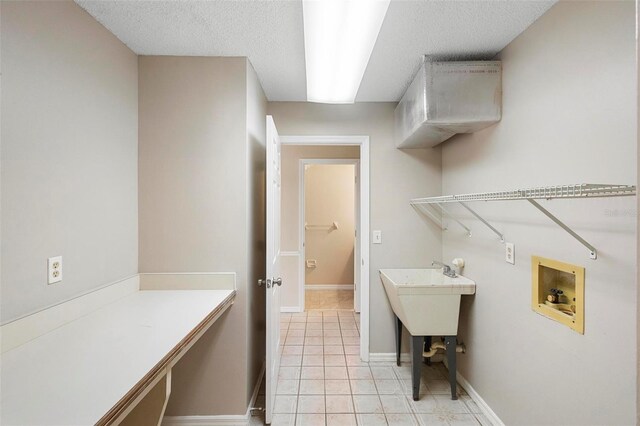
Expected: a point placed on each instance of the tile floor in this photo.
(328, 299)
(323, 382)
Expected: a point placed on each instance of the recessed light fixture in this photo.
(339, 36)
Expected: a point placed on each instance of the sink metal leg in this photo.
(450, 343)
(427, 347)
(416, 364)
(398, 339)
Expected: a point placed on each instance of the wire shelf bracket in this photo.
(583, 190)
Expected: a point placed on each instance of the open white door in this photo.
(273, 280)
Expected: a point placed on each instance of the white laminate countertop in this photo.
(75, 374)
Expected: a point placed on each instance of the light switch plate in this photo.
(54, 270)
(510, 253)
(377, 237)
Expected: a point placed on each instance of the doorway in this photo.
(328, 217)
(294, 257)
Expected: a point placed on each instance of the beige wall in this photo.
(201, 147)
(396, 176)
(569, 116)
(69, 155)
(330, 197)
(290, 229)
(256, 217)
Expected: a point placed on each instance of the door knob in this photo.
(262, 282)
(277, 281)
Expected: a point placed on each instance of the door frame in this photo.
(302, 231)
(363, 174)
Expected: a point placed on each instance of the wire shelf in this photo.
(582, 190)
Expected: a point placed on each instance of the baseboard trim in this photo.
(480, 402)
(316, 287)
(231, 420)
(290, 309)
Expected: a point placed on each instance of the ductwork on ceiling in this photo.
(446, 98)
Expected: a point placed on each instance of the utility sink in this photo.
(426, 301)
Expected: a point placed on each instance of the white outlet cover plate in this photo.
(510, 253)
(54, 269)
(377, 237)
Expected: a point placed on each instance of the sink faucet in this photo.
(446, 269)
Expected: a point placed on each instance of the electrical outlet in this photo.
(510, 253)
(377, 237)
(54, 268)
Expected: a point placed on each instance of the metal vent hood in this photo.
(446, 98)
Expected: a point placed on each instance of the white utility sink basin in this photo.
(426, 301)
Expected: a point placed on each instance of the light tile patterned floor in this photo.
(323, 382)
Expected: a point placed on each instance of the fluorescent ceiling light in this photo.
(339, 36)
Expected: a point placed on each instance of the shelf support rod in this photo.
(487, 224)
(425, 210)
(445, 211)
(593, 253)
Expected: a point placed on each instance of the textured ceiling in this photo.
(270, 34)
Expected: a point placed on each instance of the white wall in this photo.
(396, 177)
(69, 155)
(569, 116)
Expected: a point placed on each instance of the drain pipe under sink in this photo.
(440, 345)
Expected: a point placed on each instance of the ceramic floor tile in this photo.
(312, 360)
(360, 373)
(290, 360)
(294, 341)
(310, 404)
(332, 341)
(314, 326)
(371, 420)
(355, 360)
(291, 373)
(283, 419)
(336, 373)
(352, 350)
(363, 387)
(313, 333)
(311, 387)
(447, 405)
(395, 404)
(331, 326)
(350, 333)
(350, 340)
(285, 404)
(334, 360)
(339, 404)
(389, 387)
(401, 419)
(295, 333)
(297, 326)
(287, 387)
(367, 404)
(337, 387)
(292, 350)
(312, 373)
(462, 420)
(341, 420)
(432, 420)
(438, 386)
(407, 387)
(310, 419)
(313, 350)
(382, 373)
(332, 333)
(333, 350)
